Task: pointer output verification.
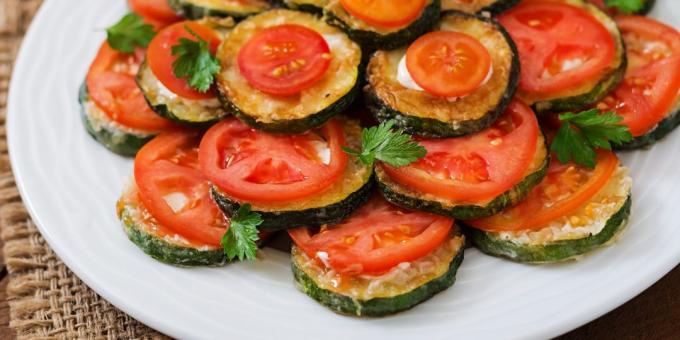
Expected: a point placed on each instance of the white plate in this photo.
(70, 183)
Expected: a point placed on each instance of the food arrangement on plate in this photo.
(381, 136)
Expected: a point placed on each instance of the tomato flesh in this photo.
(448, 64)
(385, 13)
(155, 10)
(111, 86)
(565, 188)
(560, 45)
(376, 238)
(647, 40)
(476, 167)
(257, 167)
(285, 59)
(160, 58)
(174, 190)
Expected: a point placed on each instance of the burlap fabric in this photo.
(46, 299)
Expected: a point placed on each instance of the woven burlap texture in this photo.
(47, 301)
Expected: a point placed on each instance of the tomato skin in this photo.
(157, 12)
(160, 58)
(168, 164)
(477, 167)
(376, 238)
(112, 87)
(544, 33)
(385, 13)
(640, 32)
(448, 64)
(266, 64)
(532, 214)
(257, 167)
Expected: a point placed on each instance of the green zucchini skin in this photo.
(433, 128)
(493, 9)
(118, 141)
(377, 306)
(166, 252)
(468, 211)
(193, 12)
(552, 252)
(293, 126)
(664, 128)
(649, 4)
(370, 40)
(303, 7)
(313, 217)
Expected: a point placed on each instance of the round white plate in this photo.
(70, 184)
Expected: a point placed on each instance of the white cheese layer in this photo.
(99, 120)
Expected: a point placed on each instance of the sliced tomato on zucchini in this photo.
(158, 12)
(385, 13)
(337, 264)
(284, 59)
(647, 40)
(574, 210)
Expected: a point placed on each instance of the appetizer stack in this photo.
(491, 119)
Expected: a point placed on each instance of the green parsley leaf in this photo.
(625, 6)
(240, 239)
(195, 62)
(581, 133)
(129, 32)
(392, 147)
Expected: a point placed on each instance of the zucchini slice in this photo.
(196, 9)
(423, 114)
(311, 6)
(478, 6)
(374, 38)
(589, 92)
(328, 207)
(664, 128)
(310, 108)
(606, 215)
(120, 139)
(380, 295)
(140, 228)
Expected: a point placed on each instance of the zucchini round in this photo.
(478, 6)
(420, 113)
(563, 242)
(312, 280)
(115, 137)
(408, 198)
(589, 92)
(196, 9)
(374, 38)
(331, 95)
(328, 207)
(311, 6)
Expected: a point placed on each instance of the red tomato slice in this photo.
(284, 60)
(111, 85)
(448, 64)
(376, 238)
(477, 167)
(646, 95)
(385, 13)
(647, 40)
(160, 56)
(167, 171)
(254, 166)
(155, 11)
(565, 189)
(560, 45)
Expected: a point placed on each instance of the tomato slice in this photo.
(376, 238)
(111, 85)
(156, 10)
(477, 167)
(284, 60)
(160, 57)
(647, 40)
(565, 188)
(448, 64)
(254, 166)
(174, 190)
(560, 45)
(385, 13)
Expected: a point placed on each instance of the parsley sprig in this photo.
(388, 145)
(240, 239)
(581, 133)
(130, 32)
(195, 62)
(625, 6)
